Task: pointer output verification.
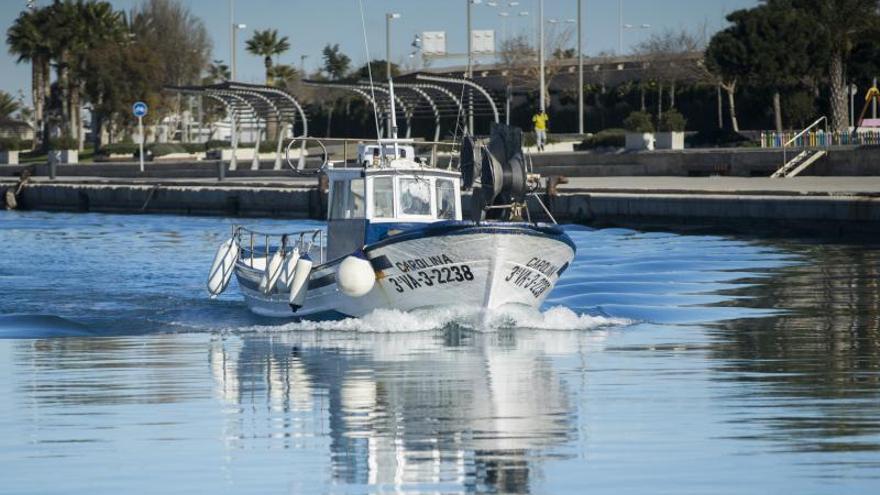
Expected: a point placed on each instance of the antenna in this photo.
(393, 116)
(370, 74)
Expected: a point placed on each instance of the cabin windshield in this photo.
(445, 197)
(413, 198)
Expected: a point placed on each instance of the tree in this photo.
(181, 43)
(285, 76)
(8, 105)
(666, 54)
(336, 63)
(727, 62)
(377, 68)
(843, 24)
(217, 72)
(267, 44)
(27, 40)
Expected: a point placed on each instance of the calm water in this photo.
(662, 363)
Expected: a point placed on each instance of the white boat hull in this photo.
(486, 266)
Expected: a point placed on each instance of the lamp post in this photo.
(388, 18)
(541, 52)
(235, 29)
(580, 68)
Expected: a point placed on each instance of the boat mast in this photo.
(393, 115)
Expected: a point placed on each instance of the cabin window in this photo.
(383, 197)
(347, 199)
(445, 194)
(415, 197)
(337, 206)
(356, 207)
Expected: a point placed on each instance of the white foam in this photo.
(390, 321)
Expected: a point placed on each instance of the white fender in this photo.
(355, 275)
(288, 269)
(272, 273)
(300, 284)
(222, 268)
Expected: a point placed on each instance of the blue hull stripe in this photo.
(468, 228)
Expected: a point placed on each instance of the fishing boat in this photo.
(397, 238)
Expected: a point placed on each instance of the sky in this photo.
(311, 24)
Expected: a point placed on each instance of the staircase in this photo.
(807, 156)
(799, 163)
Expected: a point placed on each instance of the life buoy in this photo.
(355, 275)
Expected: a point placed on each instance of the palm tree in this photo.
(76, 28)
(27, 39)
(842, 23)
(8, 105)
(217, 72)
(284, 76)
(268, 44)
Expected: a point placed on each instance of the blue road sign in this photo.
(139, 109)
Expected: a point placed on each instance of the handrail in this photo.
(304, 240)
(798, 135)
(820, 119)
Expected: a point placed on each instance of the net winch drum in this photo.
(502, 174)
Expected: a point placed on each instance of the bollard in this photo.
(52, 168)
(221, 170)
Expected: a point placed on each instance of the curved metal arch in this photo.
(233, 116)
(279, 118)
(465, 82)
(285, 95)
(406, 111)
(431, 103)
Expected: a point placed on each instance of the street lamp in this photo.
(235, 29)
(388, 18)
(580, 69)
(541, 53)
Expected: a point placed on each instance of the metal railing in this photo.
(794, 139)
(307, 241)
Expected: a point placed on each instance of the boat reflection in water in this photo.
(454, 409)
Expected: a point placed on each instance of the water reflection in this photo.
(454, 408)
(821, 360)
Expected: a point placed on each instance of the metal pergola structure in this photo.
(424, 96)
(254, 104)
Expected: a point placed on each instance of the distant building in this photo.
(18, 129)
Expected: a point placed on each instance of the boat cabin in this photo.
(366, 203)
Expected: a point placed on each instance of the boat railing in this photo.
(255, 244)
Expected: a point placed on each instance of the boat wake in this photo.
(476, 319)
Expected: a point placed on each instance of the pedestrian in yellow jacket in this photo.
(540, 119)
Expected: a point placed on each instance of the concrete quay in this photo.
(829, 204)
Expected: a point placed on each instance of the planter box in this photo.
(9, 157)
(636, 141)
(670, 141)
(67, 157)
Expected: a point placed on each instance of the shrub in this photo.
(717, 138)
(12, 144)
(118, 149)
(63, 143)
(218, 145)
(606, 138)
(639, 122)
(162, 149)
(672, 121)
(193, 147)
